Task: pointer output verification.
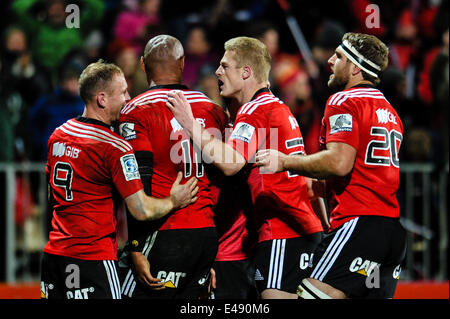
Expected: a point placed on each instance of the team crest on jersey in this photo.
(341, 123)
(127, 131)
(130, 167)
(243, 132)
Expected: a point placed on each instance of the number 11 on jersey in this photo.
(187, 159)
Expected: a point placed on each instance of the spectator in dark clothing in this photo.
(50, 111)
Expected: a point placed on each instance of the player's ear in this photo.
(142, 63)
(247, 72)
(354, 69)
(102, 99)
(182, 62)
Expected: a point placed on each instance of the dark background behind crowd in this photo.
(43, 50)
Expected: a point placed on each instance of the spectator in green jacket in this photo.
(57, 33)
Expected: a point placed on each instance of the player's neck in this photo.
(248, 92)
(165, 80)
(356, 80)
(102, 117)
(358, 83)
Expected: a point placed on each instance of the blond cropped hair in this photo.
(251, 52)
(95, 78)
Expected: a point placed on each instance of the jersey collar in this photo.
(262, 90)
(363, 86)
(169, 86)
(88, 120)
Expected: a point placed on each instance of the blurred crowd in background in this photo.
(41, 59)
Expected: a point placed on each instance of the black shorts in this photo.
(235, 279)
(182, 258)
(283, 263)
(71, 278)
(363, 257)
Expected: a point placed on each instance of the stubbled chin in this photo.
(223, 93)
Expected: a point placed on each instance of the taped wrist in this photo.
(306, 290)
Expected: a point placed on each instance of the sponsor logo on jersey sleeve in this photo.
(127, 131)
(130, 167)
(243, 131)
(341, 123)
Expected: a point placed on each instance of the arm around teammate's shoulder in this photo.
(143, 207)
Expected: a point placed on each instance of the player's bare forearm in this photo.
(319, 208)
(142, 271)
(214, 150)
(144, 207)
(220, 154)
(318, 165)
(159, 207)
(336, 160)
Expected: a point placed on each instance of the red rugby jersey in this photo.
(281, 205)
(363, 118)
(87, 163)
(148, 125)
(233, 217)
(232, 213)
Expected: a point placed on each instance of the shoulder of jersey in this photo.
(354, 94)
(160, 95)
(95, 133)
(264, 99)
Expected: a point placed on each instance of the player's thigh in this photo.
(282, 263)
(198, 270)
(52, 277)
(235, 279)
(181, 258)
(71, 278)
(353, 255)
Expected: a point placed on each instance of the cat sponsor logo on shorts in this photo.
(171, 279)
(363, 267)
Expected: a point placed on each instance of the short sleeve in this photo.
(246, 135)
(340, 124)
(125, 172)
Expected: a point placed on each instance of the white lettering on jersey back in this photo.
(385, 116)
(60, 149)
